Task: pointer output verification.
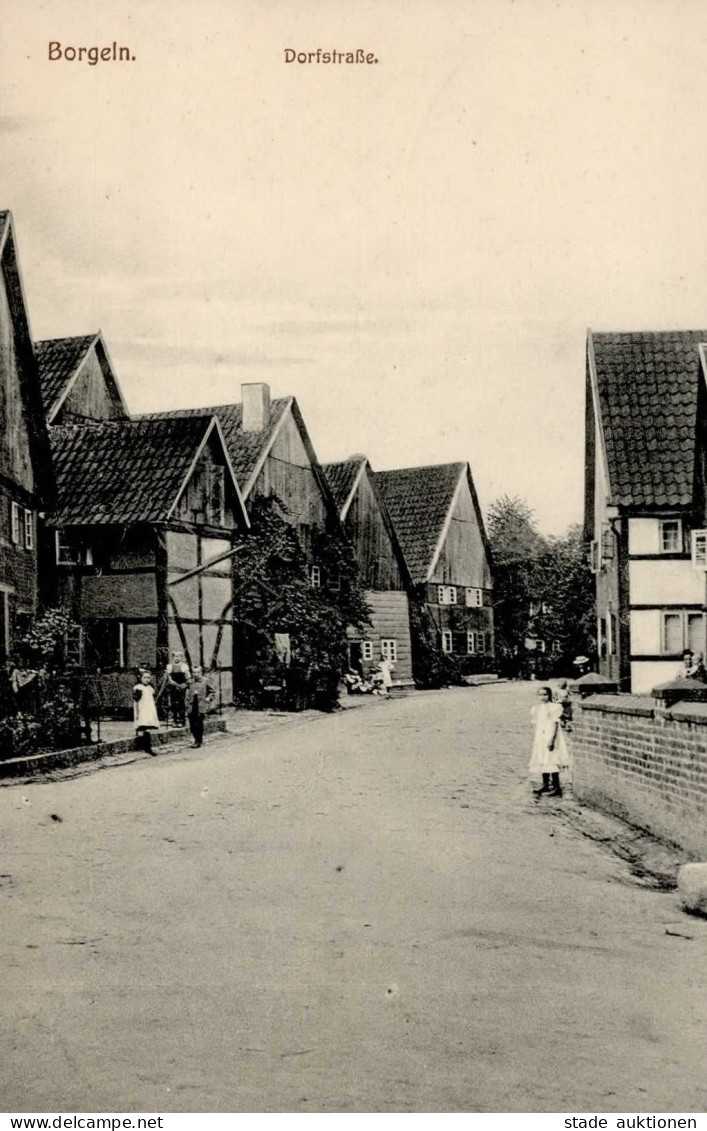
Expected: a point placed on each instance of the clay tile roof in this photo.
(418, 501)
(341, 477)
(57, 359)
(647, 385)
(244, 448)
(122, 471)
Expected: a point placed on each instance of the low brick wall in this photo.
(37, 764)
(647, 767)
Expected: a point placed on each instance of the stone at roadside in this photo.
(692, 886)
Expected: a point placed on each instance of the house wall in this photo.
(372, 545)
(288, 473)
(463, 560)
(18, 564)
(390, 620)
(648, 769)
(90, 396)
(612, 646)
(199, 620)
(658, 584)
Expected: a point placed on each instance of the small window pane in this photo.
(696, 632)
(452, 591)
(389, 650)
(672, 633)
(471, 643)
(670, 536)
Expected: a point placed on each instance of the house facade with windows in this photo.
(382, 569)
(437, 519)
(26, 483)
(645, 501)
(139, 547)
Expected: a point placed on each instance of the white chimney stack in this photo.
(256, 405)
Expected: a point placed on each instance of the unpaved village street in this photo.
(366, 912)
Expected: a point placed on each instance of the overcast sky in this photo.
(414, 249)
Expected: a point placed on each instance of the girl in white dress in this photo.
(549, 754)
(145, 711)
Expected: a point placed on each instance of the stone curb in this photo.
(37, 764)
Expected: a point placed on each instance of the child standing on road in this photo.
(549, 754)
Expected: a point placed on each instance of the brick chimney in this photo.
(256, 405)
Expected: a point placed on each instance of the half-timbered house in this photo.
(438, 522)
(140, 543)
(26, 484)
(383, 571)
(645, 492)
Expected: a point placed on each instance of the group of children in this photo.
(190, 697)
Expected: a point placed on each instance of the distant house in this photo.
(438, 522)
(646, 460)
(26, 484)
(382, 568)
(138, 546)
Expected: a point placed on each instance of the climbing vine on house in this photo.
(40, 695)
(284, 595)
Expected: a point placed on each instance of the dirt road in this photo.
(362, 913)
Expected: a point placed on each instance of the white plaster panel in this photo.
(645, 632)
(646, 675)
(666, 583)
(643, 536)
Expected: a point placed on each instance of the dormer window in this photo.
(670, 536)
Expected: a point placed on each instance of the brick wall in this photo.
(646, 767)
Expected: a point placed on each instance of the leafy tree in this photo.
(543, 591)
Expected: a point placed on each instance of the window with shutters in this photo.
(474, 597)
(681, 629)
(446, 594)
(15, 523)
(699, 549)
(447, 642)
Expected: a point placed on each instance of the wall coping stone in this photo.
(636, 705)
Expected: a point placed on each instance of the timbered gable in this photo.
(78, 381)
(365, 518)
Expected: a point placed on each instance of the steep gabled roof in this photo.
(342, 477)
(58, 359)
(60, 362)
(419, 500)
(26, 360)
(244, 448)
(645, 389)
(129, 470)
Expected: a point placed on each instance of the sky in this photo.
(414, 249)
